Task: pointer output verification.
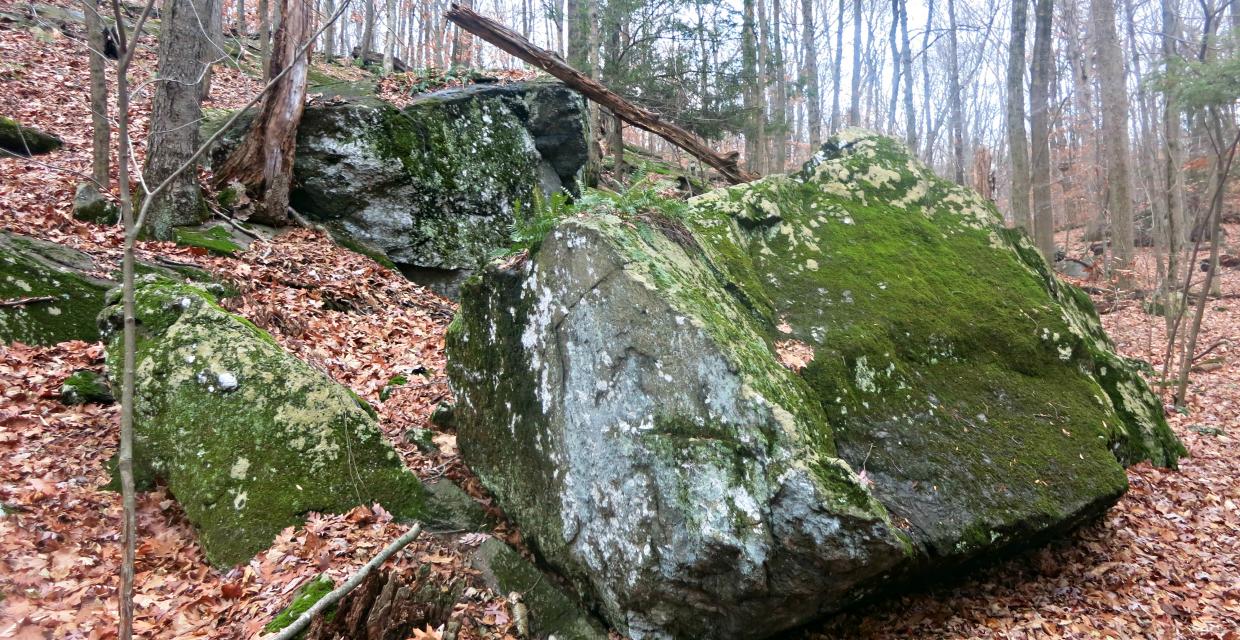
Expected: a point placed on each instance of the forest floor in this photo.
(1162, 564)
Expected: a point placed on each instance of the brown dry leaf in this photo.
(794, 354)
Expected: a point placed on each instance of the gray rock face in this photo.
(434, 186)
(727, 418)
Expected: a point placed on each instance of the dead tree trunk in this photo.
(263, 162)
(387, 605)
(515, 44)
(957, 107)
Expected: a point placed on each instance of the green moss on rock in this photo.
(62, 296)
(86, 386)
(216, 239)
(553, 613)
(248, 438)
(25, 141)
(305, 597)
(90, 206)
(958, 399)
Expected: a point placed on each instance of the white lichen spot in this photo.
(227, 381)
(240, 500)
(239, 469)
(863, 375)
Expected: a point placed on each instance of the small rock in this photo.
(86, 386)
(90, 206)
(423, 439)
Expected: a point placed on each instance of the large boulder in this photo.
(248, 438)
(53, 293)
(21, 140)
(434, 186)
(725, 418)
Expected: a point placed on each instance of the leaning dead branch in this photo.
(517, 45)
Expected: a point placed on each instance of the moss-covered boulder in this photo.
(52, 292)
(727, 418)
(248, 438)
(25, 141)
(434, 186)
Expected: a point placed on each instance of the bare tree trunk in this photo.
(836, 69)
(264, 36)
(1224, 155)
(463, 43)
(854, 107)
(809, 76)
(241, 30)
(762, 159)
(906, 63)
(1018, 144)
(329, 35)
(957, 108)
(1173, 176)
(578, 27)
(779, 106)
(1114, 133)
(1039, 104)
(175, 113)
(389, 43)
(263, 162)
(124, 456)
(215, 43)
(893, 40)
(101, 140)
(368, 30)
(926, 114)
(751, 88)
(1083, 126)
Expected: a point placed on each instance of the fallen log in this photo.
(515, 44)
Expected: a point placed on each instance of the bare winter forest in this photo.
(607, 319)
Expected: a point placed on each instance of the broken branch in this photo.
(21, 302)
(516, 44)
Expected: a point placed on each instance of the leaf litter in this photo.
(1164, 563)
